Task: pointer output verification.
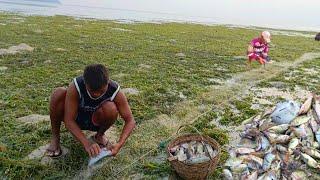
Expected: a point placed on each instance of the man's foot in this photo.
(54, 150)
(101, 140)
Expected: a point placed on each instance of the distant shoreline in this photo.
(310, 31)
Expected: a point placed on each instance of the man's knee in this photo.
(58, 97)
(109, 109)
(59, 93)
(107, 113)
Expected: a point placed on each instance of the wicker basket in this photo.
(194, 171)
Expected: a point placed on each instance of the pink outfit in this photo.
(259, 49)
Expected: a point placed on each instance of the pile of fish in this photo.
(193, 152)
(282, 143)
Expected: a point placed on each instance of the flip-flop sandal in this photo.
(100, 144)
(53, 154)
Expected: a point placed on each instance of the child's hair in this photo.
(96, 76)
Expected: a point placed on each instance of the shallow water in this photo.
(284, 14)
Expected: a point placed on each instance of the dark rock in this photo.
(317, 38)
(131, 91)
(34, 118)
(278, 84)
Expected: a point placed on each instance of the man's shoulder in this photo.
(79, 78)
(113, 89)
(113, 83)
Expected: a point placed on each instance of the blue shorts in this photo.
(84, 121)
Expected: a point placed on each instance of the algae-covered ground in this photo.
(173, 89)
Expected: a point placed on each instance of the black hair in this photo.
(96, 76)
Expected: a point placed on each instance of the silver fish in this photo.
(310, 134)
(252, 176)
(282, 139)
(310, 161)
(250, 133)
(254, 166)
(306, 143)
(313, 124)
(273, 174)
(249, 126)
(300, 120)
(245, 142)
(270, 175)
(244, 150)
(293, 144)
(227, 174)
(174, 149)
(239, 169)
(318, 136)
(275, 165)
(263, 143)
(192, 149)
(249, 120)
(103, 154)
(200, 148)
(193, 142)
(316, 108)
(275, 138)
(279, 129)
(311, 152)
(189, 153)
(271, 136)
(262, 176)
(281, 148)
(298, 175)
(181, 154)
(212, 153)
(265, 124)
(197, 160)
(184, 145)
(268, 159)
(253, 158)
(234, 161)
(300, 131)
(306, 105)
(315, 145)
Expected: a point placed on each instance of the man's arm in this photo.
(70, 114)
(125, 112)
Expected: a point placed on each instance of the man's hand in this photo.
(93, 149)
(115, 149)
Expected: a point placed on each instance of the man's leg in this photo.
(104, 118)
(57, 101)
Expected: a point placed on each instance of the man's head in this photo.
(266, 36)
(96, 78)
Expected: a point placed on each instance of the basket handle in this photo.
(172, 158)
(185, 125)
